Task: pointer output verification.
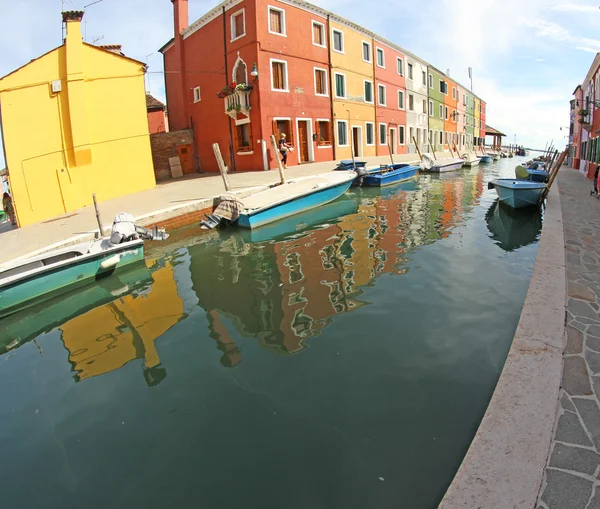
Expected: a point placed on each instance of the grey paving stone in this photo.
(594, 330)
(577, 459)
(580, 308)
(579, 291)
(595, 502)
(573, 259)
(593, 360)
(566, 491)
(574, 340)
(569, 430)
(590, 415)
(589, 259)
(576, 380)
(566, 403)
(593, 343)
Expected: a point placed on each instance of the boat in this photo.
(440, 165)
(512, 229)
(470, 159)
(280, 200)
(495, 156)
(518, 193)
(486, 158)
(535, 173)
(386, 175)
(48, 275)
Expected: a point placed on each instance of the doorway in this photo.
(303, 153)
(357, 140)
(393, 140)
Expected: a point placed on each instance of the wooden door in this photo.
(356, 141)
(393, 140)
(302, 141)
(186, 157)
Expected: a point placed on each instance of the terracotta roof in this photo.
(490, 131)
(153, 104)
(115, 48)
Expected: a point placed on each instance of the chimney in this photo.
(72, 16)
(181, 15)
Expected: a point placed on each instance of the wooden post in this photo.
(455, 149)
(432, 149)
(554, 156)
(559, 163)
(279, 165)
(418, 149)
(390, 151)
(97, 213)
(222, 167)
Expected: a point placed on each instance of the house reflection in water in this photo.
(109, 336)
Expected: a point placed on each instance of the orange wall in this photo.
(157, 122)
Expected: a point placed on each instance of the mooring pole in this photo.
(97, 213)
(222, 166)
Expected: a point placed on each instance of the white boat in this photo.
(470, 159)
(440, 165)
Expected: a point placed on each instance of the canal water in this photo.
(341, 359)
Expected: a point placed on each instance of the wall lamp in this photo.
(254, 72)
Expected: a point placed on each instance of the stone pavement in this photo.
(572, 476)
(168, 199)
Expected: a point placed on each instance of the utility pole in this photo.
(471, 77)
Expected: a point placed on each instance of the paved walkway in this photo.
(572, 476)
(164, 198)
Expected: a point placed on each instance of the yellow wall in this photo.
(92, 137)
(356, 70)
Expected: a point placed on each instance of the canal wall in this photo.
(505, 463)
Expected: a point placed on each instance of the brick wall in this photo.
(164, 145)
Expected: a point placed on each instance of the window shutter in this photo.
(275, 21)
(275, 131)
(290, 132)
(319, 82)
(249, 127)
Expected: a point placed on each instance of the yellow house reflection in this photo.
(108, 337)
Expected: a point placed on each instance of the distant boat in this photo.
(486, 158)
(390, 174)
(441, 165)
(518, 193)
(48, 275)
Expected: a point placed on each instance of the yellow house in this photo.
(477, 116)
(74, 123)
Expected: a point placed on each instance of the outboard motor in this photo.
(123, 229)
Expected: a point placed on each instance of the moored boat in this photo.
(390, 174)
(441, 165)
(470, 159)
(518, 193)
(486, 158)
(535, 173)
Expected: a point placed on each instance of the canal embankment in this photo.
(173, 204)
(504, 465)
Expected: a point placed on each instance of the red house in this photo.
(157, 115)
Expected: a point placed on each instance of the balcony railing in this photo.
(238, 102)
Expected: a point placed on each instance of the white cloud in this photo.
(554, 31)
(540, 60)
(570, 7)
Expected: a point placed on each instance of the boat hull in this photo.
(294, 206)
(519, 193)
(486, 159)
(442, 168)
(391, 177)
(67, 276)
(474, 162)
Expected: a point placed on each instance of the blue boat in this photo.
(292, 198)
(390, 174)
(42, 277)
(535, 173)
(485, 158)
(518, 193)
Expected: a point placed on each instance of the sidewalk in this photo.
(167, 200)
(572, 475)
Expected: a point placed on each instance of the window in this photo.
(400, 99)
(446, 112)
(323, 133)
(370, 133)
(283, 126)
(238, 24)
(453, 93)
(410, 71)
(320, 81)
(342, 132)
(431, 108)
(424, 105)
(240, 72)
(401, 134)
(380, 58)
(382, 134)
(411, 102)
(368, 91)
(318, 34)
(276, 21)
(197, 94)
(412, 134)
(443, 87)
(279, 79)
(243, 138)
(441, 111)
(464, 99)
(400, 66)
(453, 115)
(338, 41)
(430, 81)
(424, 78)
(340, 85)
(366, 51)
(431, 139)
(441, 137)
(381, 94)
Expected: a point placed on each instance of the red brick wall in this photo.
(164, 145)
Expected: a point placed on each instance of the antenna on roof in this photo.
(97, 39)
(85, 20)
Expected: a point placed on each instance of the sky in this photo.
(527, 55)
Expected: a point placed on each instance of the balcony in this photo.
(238, 102)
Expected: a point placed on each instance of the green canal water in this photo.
(343, 359)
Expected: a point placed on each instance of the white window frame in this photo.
(384, 144)
(317, 120)
(445, 112)
(442, 138)
(413, 102)
(454, 93)
(286, 82)
(372, 124)
(362, 48)
(324, 45)
(441, 111)
(431, 112)
(345, 96)
(402, 129)
(242, 11)
(424, 75)
(379, 87)
(197, 95)
(337, 130)
(333, 30)
(410, 76)
(430, 81)
(398, 60)
(403, 107)
(326, 81)
(283, 22)
(377, 50)
(372, 101)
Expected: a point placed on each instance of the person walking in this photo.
(7, 205)
(283, 148)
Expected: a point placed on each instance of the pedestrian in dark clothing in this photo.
(595, 191)
(283, 148)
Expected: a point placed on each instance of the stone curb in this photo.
(505, 463)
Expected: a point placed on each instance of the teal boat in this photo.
(45, 276)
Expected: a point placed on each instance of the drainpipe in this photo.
(231, 149)
(331, 89)
(375, 97)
